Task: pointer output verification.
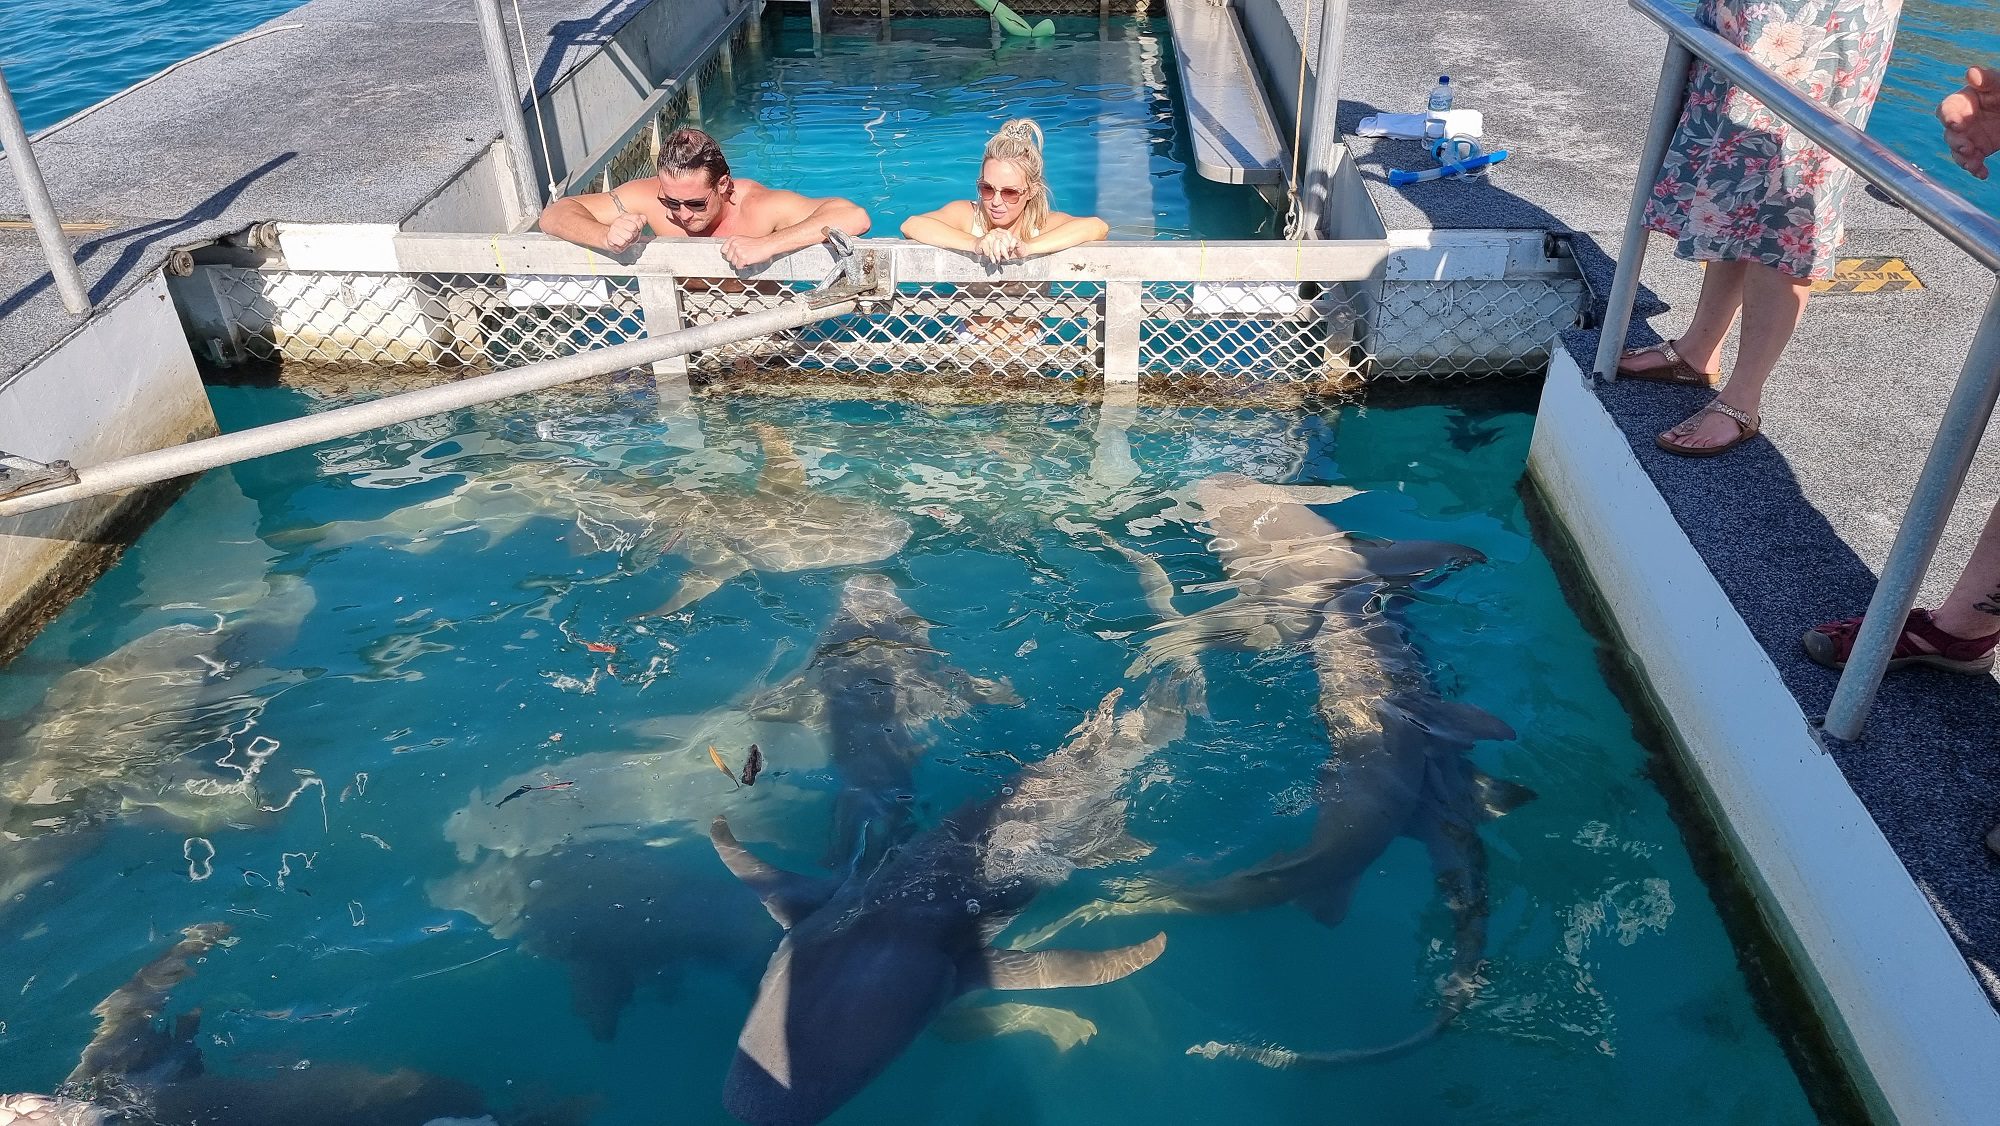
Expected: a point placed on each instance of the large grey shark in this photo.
(620, 914)
(874, 684)
(1397, 766)
(781, 525)
(869, 960)
(140, 1068)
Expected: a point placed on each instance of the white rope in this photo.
(1293, 213)
(535, 99)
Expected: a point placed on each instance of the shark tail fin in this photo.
(1458, 993)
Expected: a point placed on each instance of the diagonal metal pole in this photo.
(507, 98)
(1965, 419)
(1632, 251)
(41, 211)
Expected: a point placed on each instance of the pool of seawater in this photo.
(899, 124)
(295, 705)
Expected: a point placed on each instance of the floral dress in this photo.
(1738, 183)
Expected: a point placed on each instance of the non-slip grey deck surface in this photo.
(359, 114)
(1795, 528)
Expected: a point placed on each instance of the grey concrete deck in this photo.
(1794, 528)
(358, 115)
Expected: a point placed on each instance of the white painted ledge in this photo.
(1917, 1031)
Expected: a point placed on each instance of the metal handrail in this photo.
(1947, 212)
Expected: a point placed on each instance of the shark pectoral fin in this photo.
(1063, 1028)
(697, 585)
(1058, 969)
(783, 472)
(1453, 719)
(1153, 580)
(788, 897)
(1118, 850)
(1497, 797)
(794, 701)
(599, 993)
(1328, 902)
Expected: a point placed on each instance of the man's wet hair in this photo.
(688, 150)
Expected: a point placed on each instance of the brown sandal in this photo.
(1746, 427)
(1676, 370)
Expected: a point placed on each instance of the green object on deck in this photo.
(1013, 24)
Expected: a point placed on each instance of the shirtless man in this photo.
(694, 196)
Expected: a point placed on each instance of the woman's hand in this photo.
(998, 246)
(1972, 120)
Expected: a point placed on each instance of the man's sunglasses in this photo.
(697, 205)
(1008, 196)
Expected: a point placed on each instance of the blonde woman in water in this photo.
(1011, 218)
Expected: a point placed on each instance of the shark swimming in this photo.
(781, 525)
(620, 914)
(140, 1067)
(1398, 765)
(871, 958)
(875, 684)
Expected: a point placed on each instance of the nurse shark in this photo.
(141, 1068)
(875, 684)
(870, 959)
(619, 914)
(1397, 767)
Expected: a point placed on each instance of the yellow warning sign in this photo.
(1869, 275)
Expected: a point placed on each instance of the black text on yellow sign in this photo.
(1869, 275)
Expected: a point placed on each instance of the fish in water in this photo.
(781, 525)
(140, 1068)
(753, 765)
(870, 958)
(621, 915)
(875, 684)
(1398, 765)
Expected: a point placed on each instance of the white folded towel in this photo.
(1418, 126)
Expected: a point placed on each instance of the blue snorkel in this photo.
(1465, 160)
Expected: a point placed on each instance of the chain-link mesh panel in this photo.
(1470, 328)
(423, 320)
(1308, 336)
(963, 329)
(1293, 332)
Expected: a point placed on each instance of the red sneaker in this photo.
(1921, 643)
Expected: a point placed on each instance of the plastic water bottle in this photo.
(1441, 94)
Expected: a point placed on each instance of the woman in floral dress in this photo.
(1750, 196)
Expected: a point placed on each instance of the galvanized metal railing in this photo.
(1948, 213)
(41, 210)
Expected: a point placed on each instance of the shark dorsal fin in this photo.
(782, 471)
(1057, 969)
(787, 896)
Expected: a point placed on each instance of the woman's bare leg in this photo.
(1773, 302)
(1701, 344)
(1972, 609)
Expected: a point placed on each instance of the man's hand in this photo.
(623, 231)
(742, 251)
(1971, 120)
(998, 246)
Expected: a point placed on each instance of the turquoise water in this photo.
(899, 126)
(388, 634)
